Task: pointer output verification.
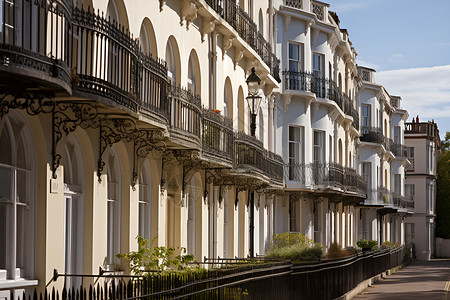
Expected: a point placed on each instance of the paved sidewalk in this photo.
(421, 280)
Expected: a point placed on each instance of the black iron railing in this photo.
(217, 135)
(326, 174)
(322, 88)
(186, 113)
(372, 135)
(249, 153)
(245, 279)
(109, 63)
(428, 128)
(37, 35)
(389, 198)
(230, 11)
(398, 150)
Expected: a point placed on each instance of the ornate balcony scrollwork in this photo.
(33, 102)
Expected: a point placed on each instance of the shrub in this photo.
(296, 252)
(387, 245)
(289, 239)
(335, 251)
(367, 244)
(156, 259)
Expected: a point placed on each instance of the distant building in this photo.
(423, 142)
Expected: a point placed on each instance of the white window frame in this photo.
(296, 156)
(145, 203)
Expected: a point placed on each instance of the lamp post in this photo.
(254, 101)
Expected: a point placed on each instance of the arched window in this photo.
(113, 208)
(191, 202)
(340, 151)
(385, 128)
(172, 60)
(147, 38)
(241, 110)
(261, 125)
(340, 82)
(228, 99)
(17, 199)
(261, 22)
(145, 202)
(73, 207)
(194, 82)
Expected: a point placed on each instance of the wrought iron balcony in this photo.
(109, 64)
(389, 198)
(398, 150)
(230, 11)
(327, 175)
(372, 135)
(251, 155)
(322, 88)
(186, 114)
(217, 135)
(35, 41)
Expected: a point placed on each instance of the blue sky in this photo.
(408, 43)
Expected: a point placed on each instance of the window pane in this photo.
(5, 150)
(293, 66)
(293, 51)
(5, 215)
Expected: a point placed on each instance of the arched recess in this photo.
(228, 99)
(173, 61)
(340, 81)
(17, 197)
(73, 163)
(194, 215)
(340, 151)
(114, 203)
(145, 202)
(117, 12)
(147, 38)
(261, 22)
(241, 110)
(261, 125)
(385, 128)
(194, 75)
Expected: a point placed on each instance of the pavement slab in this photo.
(425, 280)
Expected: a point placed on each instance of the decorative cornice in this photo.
(208, 26)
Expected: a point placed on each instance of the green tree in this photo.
(443, 191)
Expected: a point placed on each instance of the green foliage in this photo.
(297, 252)
(294, 246)
(335, 251)
(445, 144)
(387, 245)
(385, 198)
(443, 195)
(149, 258)
(290, 238)
(367, 244)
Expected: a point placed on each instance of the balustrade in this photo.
(186, 114)
(217, 137)
(387, 197)
(247, 30)
(326, 174)
(322, 88)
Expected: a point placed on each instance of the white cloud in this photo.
(396, 58)
(425, 91)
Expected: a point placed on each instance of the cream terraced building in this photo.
(124, 118)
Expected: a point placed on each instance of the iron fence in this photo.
(244, 279)
(388, 197)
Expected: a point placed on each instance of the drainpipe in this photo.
(213, 70)
(251, 204)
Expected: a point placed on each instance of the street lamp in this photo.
(253, 99)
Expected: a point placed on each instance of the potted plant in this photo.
(385, 198)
